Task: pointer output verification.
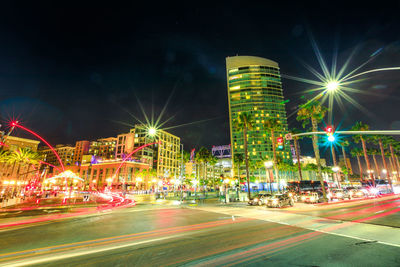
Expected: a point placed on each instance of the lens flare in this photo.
(334, 84)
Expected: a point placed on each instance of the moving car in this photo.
(259, 200)
(280, 200)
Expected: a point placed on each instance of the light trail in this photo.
(16, 124)
(133, 152)
(89, 245)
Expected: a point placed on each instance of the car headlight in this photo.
(303, 198)
(290, 194)
(275, 201)
(312, 198)
(256, 199)
(339, 194)
(329, 195)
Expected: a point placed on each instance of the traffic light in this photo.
(279, 142)
(329, 133)
(329, 130)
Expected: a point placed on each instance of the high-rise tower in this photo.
(254, 86)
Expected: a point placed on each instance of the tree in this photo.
(313, 111)
(343, 144)
(373, 152)
(238, 161)
(360, 126)
(297, 149)
(391, 142)
(381, 140)
(23, 157)
(3, 160)
(273, 125)
(357, 152)
(212, 161)
(244, 123)
(203, 157)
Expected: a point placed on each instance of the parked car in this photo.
(312, 197)
(340, 194)
(259, 200)
(356, 192)
(280, 200)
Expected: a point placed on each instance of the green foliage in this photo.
(273, 124)
(356, 152)
(244, 120)
(359, 126)
(312, 110)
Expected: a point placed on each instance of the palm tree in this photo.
(359, 126)
(212, 161)
(373, 152)
(336, 174)
(203, 157)
(380, 140)
(357, 152)
(297, 149)
(344, 144)
(273, 125)
(238, 160)
(313, 111)
(391, 142)
(245, 122)
(3, 160)
(23, 157)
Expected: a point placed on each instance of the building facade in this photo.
(104, 148)
(65, 152)
(12, 143)
(165, 156)
(102, 174)
(81, 148)
(125, 145)
(254, 86)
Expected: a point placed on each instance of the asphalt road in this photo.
(212, 235)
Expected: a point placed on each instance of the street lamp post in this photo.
(268, 165)
(181, 174)
(336, 169)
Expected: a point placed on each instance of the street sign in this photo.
(288, 136)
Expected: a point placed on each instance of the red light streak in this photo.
(14, 124)
(130, 154)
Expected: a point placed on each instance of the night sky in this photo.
(74, 71)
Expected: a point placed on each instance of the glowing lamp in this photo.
(152, 131)
(331, 138)
(332, 86)
(329, 130)
(268, 164)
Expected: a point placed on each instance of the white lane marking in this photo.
(86, 251)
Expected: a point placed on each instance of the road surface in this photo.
(207, 235)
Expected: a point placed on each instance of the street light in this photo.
(268, 165)
(335, 168)
(332, 86)
(152, 131)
